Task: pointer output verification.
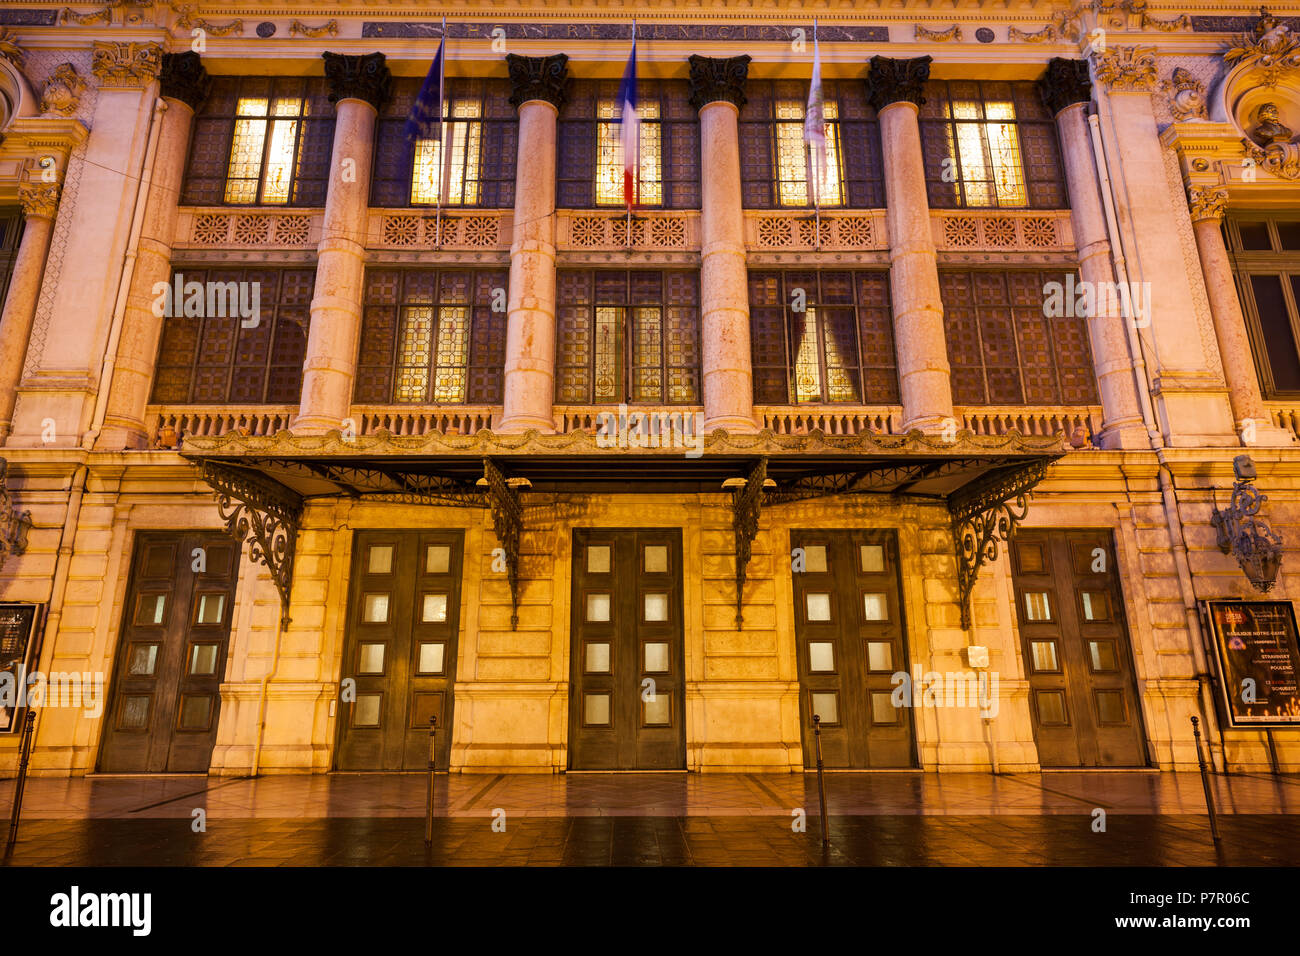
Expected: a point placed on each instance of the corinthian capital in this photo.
(1210, 202)
(538, 78)
(718, 80)
(126, 64)
(1127, 69)
(39, 200)
(897, 81)
(365, 77)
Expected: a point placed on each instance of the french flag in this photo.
(630, 127)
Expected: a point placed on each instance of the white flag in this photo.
(814, 126)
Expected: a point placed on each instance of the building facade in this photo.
(316, 431)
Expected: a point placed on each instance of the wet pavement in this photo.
(1150, 819)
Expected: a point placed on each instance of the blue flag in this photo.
(425, 121)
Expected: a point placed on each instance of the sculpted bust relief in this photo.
(1270, 128)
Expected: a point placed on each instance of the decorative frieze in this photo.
(186, 20)
(1271, 48)
(9, 48)
(127, 65)
(897, 81)
(329, 28)
(1127, 69)
(63, 91)
(39, 199)
(1210, 202)
(1065, 83)
(183, 78)
(538, 78)
(1187, 96)
(718, 79)
(363, 77)
(938, 36)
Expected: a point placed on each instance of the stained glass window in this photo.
(458, 179)
(822, 338)
(627, 336)
(648, 186)
(795, 162)
(432, 337)
(990, 145)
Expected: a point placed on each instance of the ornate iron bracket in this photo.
(13, 524)
(746, 506)
(508, 522)
(264, 513)
(1257, 547)
(984, 512)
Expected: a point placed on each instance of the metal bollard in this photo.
(428, 809)
(29, 727)
(821, 780)
(1205, 781)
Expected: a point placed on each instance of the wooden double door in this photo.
(171, 656)
(1082, 688)
(850, 637)
(399, 658)
(627, 705)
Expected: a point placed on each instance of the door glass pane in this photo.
(819, 606)
(375, 608)
(826, 707)
(212, 609)
(150, 609)
(365, 712)
(874, 607)
(1110, 706)
(1051, 706)
(1096, 606)
(135, 713)
(1029, 556)
(598, 559)
(880, 656)
(595, 709)
(195, 711)
(431, 653)
(872, 557)
(203, 659)
(144, 657)
(1275, 324)
(1044, 655)
(371, 659)
(435, 608)
(1037, 606)
(656, 657)
(657, 710)
(597, 658)
(814, 559)
(597, 607)
(381, 559)
(656, 607)
(1102, 656)
(437, 559)
(821, 657)
(656, 559)
(883, 710)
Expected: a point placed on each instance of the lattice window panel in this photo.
(211, 359)
(432, 337)
(839, 349)
(214, 134)
(1003, 347)
(628, 336)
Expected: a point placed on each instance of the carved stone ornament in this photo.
(364, 77)
(63, 91)
(1241, 532)
(1065, 83)
(1187, 96)
(126, 64)
(718, 80)
(538, 78)
(9, 48)
(104, 15)
(939, 36)
(1210, 202)
(1269, 127)
(184, 78)
(1280, 159)
(329, 28)
(1064, 26)
(13, 525)
(39, 200)
(1270, 48)
(1127, 68)
(186, 20)
(897, 81)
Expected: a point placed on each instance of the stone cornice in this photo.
(362, 77)
(538, 78)
(28, 135)
(897, 81)
(718, 79)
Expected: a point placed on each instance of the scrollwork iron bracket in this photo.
(746, 507)
(264, 513)
(507, 513)
(1242, 533)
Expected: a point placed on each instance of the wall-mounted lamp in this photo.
(1241, 532)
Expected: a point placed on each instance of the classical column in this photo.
(359, 87)
(537, 93)
(895, 89)
(1253, 424)
(183, 85)
(39, 202)
(718, 92)
(1067, 90)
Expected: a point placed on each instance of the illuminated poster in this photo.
(1259, 661)
(17, 651)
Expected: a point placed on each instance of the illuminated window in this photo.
(649, 187)
(463, 131)
(987, 153)
(794, 159)
(263, 151)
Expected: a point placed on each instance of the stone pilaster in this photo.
(1067, 90)
(895, 89)
(184, 84)
(39, 202)
(538, 93)
(359, 87)
(718, 92)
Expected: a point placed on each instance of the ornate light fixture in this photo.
(1258, 547)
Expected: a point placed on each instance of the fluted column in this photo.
(529, 393)
(359, 87)
(895, 88)
(183, 85)
(1253, 424)
(718, 92)
(1067, 90)
(39, 202)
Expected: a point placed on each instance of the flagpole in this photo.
(443, 159)
(637, 161)
(816, 177)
